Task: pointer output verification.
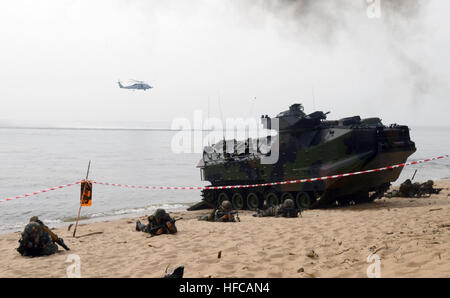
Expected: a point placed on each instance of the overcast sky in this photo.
(60, 60)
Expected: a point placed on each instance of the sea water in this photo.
(35, 159)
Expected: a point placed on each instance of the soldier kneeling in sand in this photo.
(287, 209)
(38, 240)
(222, 214)
(158, 223)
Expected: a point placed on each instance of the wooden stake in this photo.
(82, 195)
(90, 234)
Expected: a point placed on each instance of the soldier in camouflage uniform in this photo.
(158, 223)
(428, 188)
(222, 214)
(266, 210)
(287, 209)
(410, 190)
(35, 241)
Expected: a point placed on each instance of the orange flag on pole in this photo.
(86, 197)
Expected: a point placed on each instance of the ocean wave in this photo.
(21, 225)
(140, 210)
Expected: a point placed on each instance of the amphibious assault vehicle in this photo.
(309, 146)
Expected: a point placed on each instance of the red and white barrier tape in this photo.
(274, 183)
(152, 187)
(38, 192)
(236, 186)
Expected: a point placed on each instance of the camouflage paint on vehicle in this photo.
(311, 146)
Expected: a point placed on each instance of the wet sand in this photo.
(410, 235)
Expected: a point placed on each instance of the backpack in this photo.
(35, 241)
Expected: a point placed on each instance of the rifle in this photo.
(227, 214)
(215, 207)
(55, 237)
(237, 215)
(163, 225)
(437, 190)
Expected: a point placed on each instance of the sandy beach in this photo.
(410, 235)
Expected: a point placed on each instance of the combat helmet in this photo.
(288, 203)
(34, 219)
(226, 205)
(159, 213)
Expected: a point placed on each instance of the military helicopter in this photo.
(138, 85)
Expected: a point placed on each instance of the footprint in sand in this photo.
(227, 266)
(207, 261)
(415, 264)
(306, 237)
(170, 255)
